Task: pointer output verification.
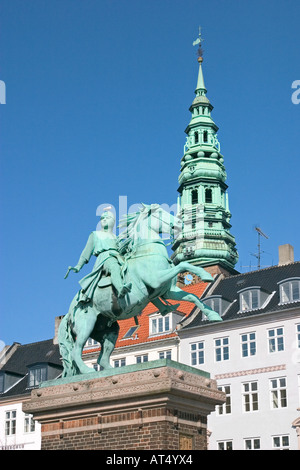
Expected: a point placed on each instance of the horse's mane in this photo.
(131, 221)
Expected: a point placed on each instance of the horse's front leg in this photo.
(167, 275)
(175, 293)
(84, 325)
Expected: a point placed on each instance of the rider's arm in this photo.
(86, 253)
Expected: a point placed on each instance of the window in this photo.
(120, 362)
(214, 304)
(276, 340)
(278, 393)
(226, 407)
(281, 442)
(250, 396)
(248, 344)
(205, 136)
(197, 353)
(37, 375)
(29, 423)
(165, 354)
(208, 195)
(132, 330)
(252, 444)
(194, 196)
(217, 303)
(298, 335)
(289, 290)
(225, 445)
(160, 324)
(91, 343)
(1, 383)
(222, 349)
(249, 300)
(10, 422)
(196, 137)
(142, 358)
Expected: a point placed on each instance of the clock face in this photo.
(188, 279)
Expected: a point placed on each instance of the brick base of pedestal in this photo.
(160, 405)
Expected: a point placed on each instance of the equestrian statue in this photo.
(131, 270)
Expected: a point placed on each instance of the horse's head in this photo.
(162, 221)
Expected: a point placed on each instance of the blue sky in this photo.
(97, 100)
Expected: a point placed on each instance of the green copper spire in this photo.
(206, 239)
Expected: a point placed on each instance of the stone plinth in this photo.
(159, 405)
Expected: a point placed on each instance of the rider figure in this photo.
(102, 244)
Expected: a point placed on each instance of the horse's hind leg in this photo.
(85, 323)
(176, 293)
(107, 337)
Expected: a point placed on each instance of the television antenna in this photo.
(260, 234)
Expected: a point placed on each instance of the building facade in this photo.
(23, 368)
(254, 355)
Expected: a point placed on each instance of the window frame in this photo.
(37, 374)
(281, 398)
(250, 397)
(225, 408)
(288, 283)
(278, 346)
(165, 354)
(223, 348)
(121, 362)
(250, 291)
(196, 353)
(248, 342)
(158, 318)
(29, 424)
(281, 446)
(141, 358)
(251, 440)
(10, 423)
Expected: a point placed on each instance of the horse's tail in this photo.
(66, 343)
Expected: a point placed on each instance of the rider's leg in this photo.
(112, 266)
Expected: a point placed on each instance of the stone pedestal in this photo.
(159, 405)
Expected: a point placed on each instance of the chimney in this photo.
(286, 254)
(56, 326)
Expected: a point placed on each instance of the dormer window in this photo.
(40, 372)
(217, 303)
(252, 298)
(37, 374)
(160, 324)
(289, 290)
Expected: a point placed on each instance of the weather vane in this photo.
(199, 40)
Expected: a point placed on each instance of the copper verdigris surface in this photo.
(130, 271)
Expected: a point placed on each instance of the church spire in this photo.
(206, 239)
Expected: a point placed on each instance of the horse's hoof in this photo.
(213, 316)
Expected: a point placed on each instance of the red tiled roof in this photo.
(143, 331)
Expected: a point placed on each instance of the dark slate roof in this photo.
(27, 355)
(267, 279)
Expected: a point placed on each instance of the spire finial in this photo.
(199, 41)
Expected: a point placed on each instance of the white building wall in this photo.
(21, 440)
(263, 366)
